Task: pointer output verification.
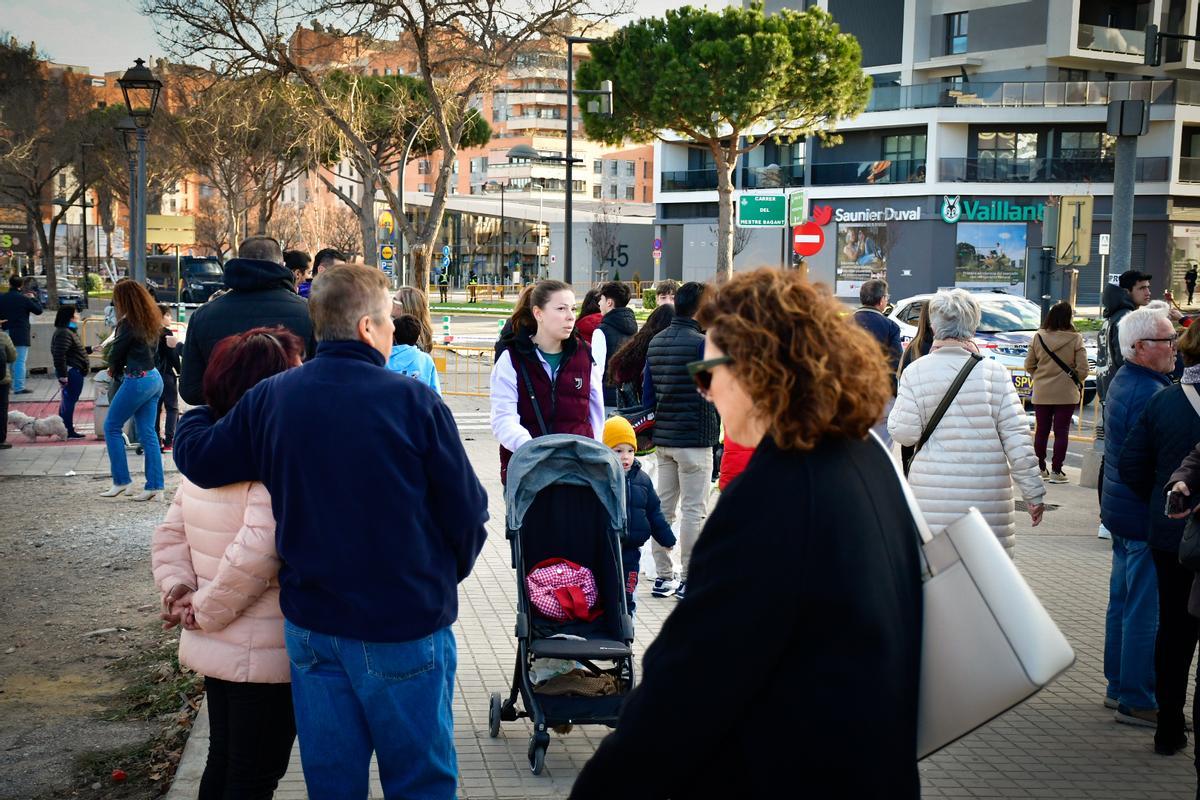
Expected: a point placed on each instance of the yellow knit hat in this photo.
(617, 430)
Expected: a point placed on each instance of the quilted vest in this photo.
(564, 404)
(682, 417)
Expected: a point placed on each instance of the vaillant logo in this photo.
(951, 210)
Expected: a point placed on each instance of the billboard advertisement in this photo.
(991, 256)
(862, 249)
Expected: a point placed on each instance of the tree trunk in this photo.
(48, 267)
(421, 258)
(366, 220)
(724, 216)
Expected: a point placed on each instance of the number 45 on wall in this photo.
(617, 256)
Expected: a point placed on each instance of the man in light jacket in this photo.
(1147, 342)
(379, 517)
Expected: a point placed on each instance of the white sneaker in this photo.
(115, 490)
(1103, 532)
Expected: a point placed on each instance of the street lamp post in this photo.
(127, 131)
(83, 147)
(141, 90)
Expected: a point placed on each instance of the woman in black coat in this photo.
(757, 688)
(1162, 437)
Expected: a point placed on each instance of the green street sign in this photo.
(762, 211)
(797, 209)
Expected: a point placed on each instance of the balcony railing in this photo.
(1189, 170)
(772, 177)
(1112, 40)
(1047, 170)
(689, 180)
(1031, 94)
(850, 173)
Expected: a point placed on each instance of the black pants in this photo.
(252, 731)
(169, 399)
(1178, 632)
(4, 389)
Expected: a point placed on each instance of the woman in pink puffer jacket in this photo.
(214, 561)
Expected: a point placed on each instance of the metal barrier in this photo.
(464, 371)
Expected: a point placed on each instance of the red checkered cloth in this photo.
(563, 590)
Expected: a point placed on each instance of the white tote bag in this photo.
(987, 643)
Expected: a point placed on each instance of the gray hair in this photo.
(261, 248)
(954, 314)
(1137, 325)
(872, 292)
(341, 296)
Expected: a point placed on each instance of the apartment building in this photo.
(982, 111)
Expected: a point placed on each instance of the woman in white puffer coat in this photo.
(982, 443)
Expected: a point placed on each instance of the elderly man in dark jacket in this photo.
(1147, 343)
(685, 430)
(15, 307)
(873, 295)
(379, 516)
(262, 293)
(1162, 437)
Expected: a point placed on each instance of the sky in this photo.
(107, 35)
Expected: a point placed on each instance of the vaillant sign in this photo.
(958, 209)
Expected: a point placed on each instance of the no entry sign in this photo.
(807, 239)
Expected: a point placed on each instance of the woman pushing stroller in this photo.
(545, 380)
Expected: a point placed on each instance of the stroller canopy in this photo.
(564, 459)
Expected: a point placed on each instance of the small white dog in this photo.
(33, 428)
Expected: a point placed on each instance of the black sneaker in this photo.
(680, 589)
(5, 446)
(1169, 744)
(663, 587)
(75, 435)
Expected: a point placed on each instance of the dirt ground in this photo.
(87, 679)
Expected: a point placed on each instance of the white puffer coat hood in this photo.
(980, 447)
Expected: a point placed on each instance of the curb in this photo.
(186, 784)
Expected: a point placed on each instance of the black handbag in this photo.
(1189, 545)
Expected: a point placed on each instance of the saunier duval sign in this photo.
(958, 209)
(887, 214)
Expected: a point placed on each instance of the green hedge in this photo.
(649, 298)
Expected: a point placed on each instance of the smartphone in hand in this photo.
(1177, 503)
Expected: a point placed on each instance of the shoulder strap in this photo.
(944, 406)
(1061, 364)
(1192, 395)
(537, 409)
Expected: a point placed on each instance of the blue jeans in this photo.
(18, 368)
(1131, 625)
(70, 396)
(353, 697)
(137, 398)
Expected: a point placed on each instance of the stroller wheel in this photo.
(537, 754)
(494, 715)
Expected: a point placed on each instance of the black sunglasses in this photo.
(701, 371)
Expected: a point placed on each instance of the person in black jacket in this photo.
(1132, 291)
(166, 360)
(685, 431)
(838, 641)
(15, 307)
(1167, 430)
(70, 359)
(261, 295)
(618, 325)
(873, 295)
(643, 513)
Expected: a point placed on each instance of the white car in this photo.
(1006, 328)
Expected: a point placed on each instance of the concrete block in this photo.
(1089, 472)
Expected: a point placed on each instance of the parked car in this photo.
(68, 293)
(199, 277)
(1007, 326)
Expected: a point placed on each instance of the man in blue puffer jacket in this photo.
(1147, 341)
(643, 512)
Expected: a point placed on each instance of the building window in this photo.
(956, 33)
(598, 167)
(1005, 155)
(907, 154)
(423, 166)
(423, 187)
(173, 205)
(387, 70)
(645, 194)
(613, 170)
(1089, 145)
(1072, 75)
(350, 191)
(645, 169)
(630, 169)
(629, 193)
(597, 191)
(612, 191)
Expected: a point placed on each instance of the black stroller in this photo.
(566, 499)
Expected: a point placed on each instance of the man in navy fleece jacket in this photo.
(379, 516)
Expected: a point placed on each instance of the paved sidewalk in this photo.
(1061, 744)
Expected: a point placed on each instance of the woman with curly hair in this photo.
(835, 641)
(408, 300)
(132, 359)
